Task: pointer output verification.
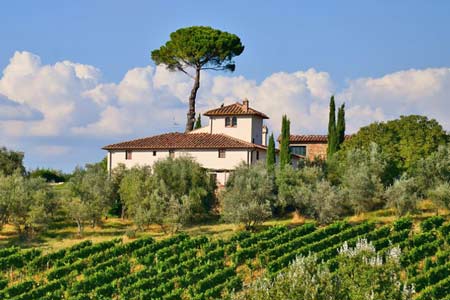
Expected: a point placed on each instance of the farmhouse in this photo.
(235, 133)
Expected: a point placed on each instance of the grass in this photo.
(62, 235)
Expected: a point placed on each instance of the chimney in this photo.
(245, 105)
(264, 135)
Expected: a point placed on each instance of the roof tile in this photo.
(234, 109)
(176, 140)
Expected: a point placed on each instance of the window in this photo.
(171, 153)
(128, 154)
(300, 150)
(154, 153)
(221, 153)
(257, 155)
(231, 122)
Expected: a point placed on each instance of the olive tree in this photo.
(248, 196)
(403, 196)
(174, 193)
(90, 197)
(25, 203)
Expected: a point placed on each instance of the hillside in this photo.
(185, 267)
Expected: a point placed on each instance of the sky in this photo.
(77, 75)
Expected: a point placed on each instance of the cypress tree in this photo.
(198, 123)
(340, 127)
(270, 159)
(332, 137)
(285, 155)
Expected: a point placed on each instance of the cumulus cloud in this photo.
(424, 92)
(69, 101)
(11, 110)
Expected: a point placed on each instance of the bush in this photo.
(248, 196)
(402, 196)
(432, 223)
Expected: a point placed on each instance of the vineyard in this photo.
(184, 267)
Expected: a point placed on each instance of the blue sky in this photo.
(351, 46)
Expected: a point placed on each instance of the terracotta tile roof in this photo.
(178, 140)
(311, 138)
(235, 109)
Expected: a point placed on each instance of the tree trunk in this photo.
(80, 227)
(191, 112)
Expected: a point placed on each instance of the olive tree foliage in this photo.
(403, 196)
(308, 191)
(26, 203)
(176, 192)
(91, 195)
(10, 161)
(248, 196)
(440, 195)
(360, 174)
(361, 274)
(198, 48)
(432, 174)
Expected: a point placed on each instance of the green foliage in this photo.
(91, 195)
(10, 161)
(404, 141)
(432, 223)
(271, 156)
(340, 126)
(27, 203)
(177, 192)
(48, 175)
(198, 123)
(199, 48)
(285, 155)
(361, 275)
(307, 191)
(248, 195)
(332, 136)
(432, 174)
(402, 196)
(360, 174)
(440, 195)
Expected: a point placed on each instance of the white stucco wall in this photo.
(210, 158)
(207, 158)
(142, 158)
(242, 131)
(205, 129)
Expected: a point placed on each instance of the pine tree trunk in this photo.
(191, 113)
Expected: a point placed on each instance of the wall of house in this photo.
(141, 158)
(242, 131)
(205, 129)
(207, 158)
(262, 156)
(314, 150)
(210, 158)
(257, 124)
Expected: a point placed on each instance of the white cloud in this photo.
(423, 92)
(69, 101)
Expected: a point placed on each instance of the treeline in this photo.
(385, 165)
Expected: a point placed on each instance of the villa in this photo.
(235, 133)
